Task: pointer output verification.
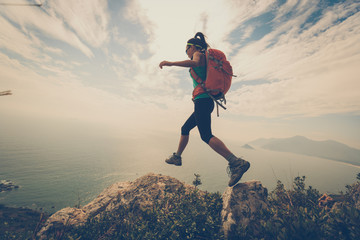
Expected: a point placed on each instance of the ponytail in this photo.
(199, 41)
(202, 39)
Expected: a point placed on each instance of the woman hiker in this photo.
(201, 117)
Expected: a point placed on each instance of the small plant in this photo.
(197, 180)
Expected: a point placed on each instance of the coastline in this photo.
(351, 165)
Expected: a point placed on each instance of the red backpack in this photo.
(218, 77)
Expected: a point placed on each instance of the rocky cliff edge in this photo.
(240, 203)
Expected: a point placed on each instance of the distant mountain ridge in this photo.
(301, 145)
(247, 146)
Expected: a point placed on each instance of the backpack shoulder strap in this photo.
(195, 76)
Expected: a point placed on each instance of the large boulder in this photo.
(140, 193)
(242, 203)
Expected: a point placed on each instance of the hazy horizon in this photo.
(58, 167)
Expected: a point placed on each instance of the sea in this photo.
(67, 168)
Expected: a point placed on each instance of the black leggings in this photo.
(201, 117)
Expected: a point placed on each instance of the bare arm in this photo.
(195, 62)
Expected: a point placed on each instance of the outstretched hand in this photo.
(164, 63)
(4, 93)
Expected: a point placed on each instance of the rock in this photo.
(241, 203)
(138, 194)
(7, 185)
(325, 201)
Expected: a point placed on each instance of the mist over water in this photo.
(68, 165)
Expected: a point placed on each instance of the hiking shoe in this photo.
(236, 170)
(174, 159)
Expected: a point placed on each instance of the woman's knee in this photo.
(185, 130)
(206, 137)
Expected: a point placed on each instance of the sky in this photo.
(95, 62)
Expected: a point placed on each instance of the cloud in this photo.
(89, 19)
(169, 25)
(12, 39)
(46, 23)
(304, 66)
(293, 59)
(311, 71)
(59, 98)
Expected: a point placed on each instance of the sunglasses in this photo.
(190, 44)
(188, 47)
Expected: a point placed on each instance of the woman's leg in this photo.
(185, 131)
(203, 110)
(237, 166)
(218, 146)
(184, 139)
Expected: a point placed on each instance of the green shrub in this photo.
(295, 214)
(185, 215)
